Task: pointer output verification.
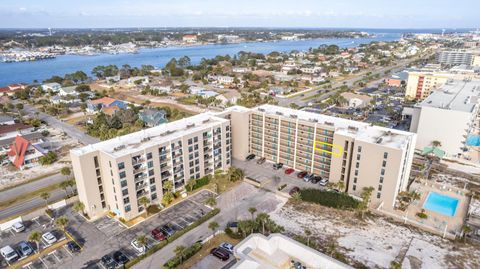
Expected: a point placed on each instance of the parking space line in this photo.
(68, 251)
(53, 253)
(101, 265)
(27, 265)
(173, 222)
(40, 258)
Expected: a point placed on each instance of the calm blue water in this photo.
(27, 72)
(442, 204)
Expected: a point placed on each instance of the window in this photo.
(122, 174)
(150, 164)
(379, 187)
(190, 141)
(381, 179)
(121, 166)
(354, 187)
(382, 172)
(192, 171)
(378, 195)
(95, 160)
(190, 163)
(150, 172)
(355, 180)
(384, 163)
(128, 208)
(359, 148)
(97, 172)
(190, 149)
(125, 192)
(197, 161)
(99, 180)
(195, 139)
(357, 165)
(123, 183)
(149, 156)
(356, 172)
(195, 147)
(358, 157)
(126, 200)
(104, 205)
(153, 188)
(227, 128)
(152, 180)
(385, 155)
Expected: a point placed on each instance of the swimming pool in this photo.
(442, 204)
(473, 140)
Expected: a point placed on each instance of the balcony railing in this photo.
(137, 161)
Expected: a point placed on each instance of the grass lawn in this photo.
(205, 251)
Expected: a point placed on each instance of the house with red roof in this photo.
(101, 104)
(11, 89)
(24, 154)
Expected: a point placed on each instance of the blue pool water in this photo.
(473, 140)
(442, 204)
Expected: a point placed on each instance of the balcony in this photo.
(140, 177)
(141, 193)
(140, 186)
(137, 160)
(139, 169)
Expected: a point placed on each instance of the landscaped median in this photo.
(178, 234)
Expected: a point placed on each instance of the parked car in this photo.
(73, 247)
(261, 160)
(108, 262)
(49, 238)
(24, 249)
(9, 254)
(220, 253)
(169, 231)
(18, 227)
(120, 258)
(227, 246)
(277, 166)
(302, 174)
(250, 157)
(315, 180)
(158, 235)
(289, 171)
(294, 190)
(308, 177)
(136, 245)
(323, 182)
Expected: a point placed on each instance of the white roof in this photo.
(359, 130)
(457, 95)
(144, 139)
(277, 251)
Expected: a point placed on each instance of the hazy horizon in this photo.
(372, 14)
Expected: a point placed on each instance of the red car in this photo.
(158, 235)
(302, 174)
(289, 171)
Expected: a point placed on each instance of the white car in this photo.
(227, 246)
(9, 254)
(323, 182)
(137, 246)
(18, 227)
(49, 238)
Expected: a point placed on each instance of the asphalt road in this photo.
(70, 130)
(30, 187)
(230, 204)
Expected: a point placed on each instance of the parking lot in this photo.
(105, 235)
(270, 178)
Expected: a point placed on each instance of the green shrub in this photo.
(330, 199)
(232, 234)
(201, 182)
(422, 215)
(176, 235)
(189, 252)
(153, 209)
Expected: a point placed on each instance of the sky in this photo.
(240, 13)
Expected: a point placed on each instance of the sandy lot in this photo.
(376, 241)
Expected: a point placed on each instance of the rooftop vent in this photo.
(190, 125)
(352, 128)
(119, 148)
(167, 133)
(279, 113)
(293, 116)
(379, 140)
(145, 139)
(261, 109)
(313, 120)
(329, 123)
(205, 121)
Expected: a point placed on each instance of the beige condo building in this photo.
(113, 175)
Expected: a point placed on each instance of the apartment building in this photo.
(457, 57)
(113, 175)
(355, 153)
(421, 83)
(448, 115)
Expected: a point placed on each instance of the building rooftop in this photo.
(458, 95)
(135, 142)
(361, 131)
(279, 251)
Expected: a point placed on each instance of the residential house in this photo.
(6, 120)
(357, 100)
(112, 79)
(11, 89)
(65, 91)
(189, 38)
(24, 154)
(239, 70)
(229, 97)
(139, 80)
(54, 87)
(98, 104)
(153, 117)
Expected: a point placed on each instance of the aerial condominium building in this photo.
(113, 175)
(456, 57)
(449, 115)
(355, 153)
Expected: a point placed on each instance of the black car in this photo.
(220, 253)
(108, 262)
(167, 230)
(73, 247)
(315, 180)
(120, 258)
(250, 157)
(277, 166)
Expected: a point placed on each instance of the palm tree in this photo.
(436, 144)
(262, 218)
(341, 186)
(168, 186)
(308, 233)
(243, 226)
(35, 237)
(141, 240)
(64, 185)
(213, 225)
(190, 184)
(79, 207)
(45, 196)
(366, 194)
(62, 222)
(167, 198)
(180, 252)
(144, 201)
(71, 183)
(297, 197)
(252, 211)
(466, 230)
(211, 201)
(65, 171)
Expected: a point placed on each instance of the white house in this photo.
(54, 87)
(143, 80)
(64, 91)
